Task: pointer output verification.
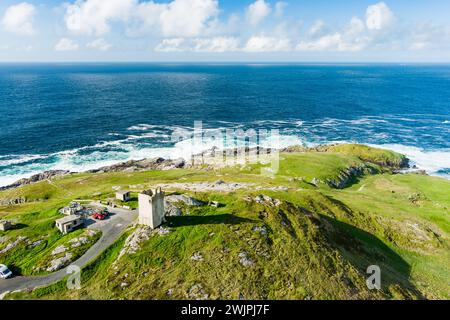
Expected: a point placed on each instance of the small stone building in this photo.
(69, 223)
(72, 208)
(151, 208)
(123, 195)
(5, 225)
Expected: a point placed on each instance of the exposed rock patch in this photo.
(197, 292)
(197, 257)
(133, 242)
(143, 165)
(13, 244)
(60, 263)
(262, 230)
(59, 249)
(263, 199)
(172, 204)
(13, 201)
(347, 175)
(78, 242)
(245, 260)
(4, 239)
(36, 243)
(47, 175)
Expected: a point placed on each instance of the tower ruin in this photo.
(151, 208)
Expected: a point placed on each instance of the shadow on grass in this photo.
(18, 226)
(183, 221)
(362, 249)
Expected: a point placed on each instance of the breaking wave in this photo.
(427, 144)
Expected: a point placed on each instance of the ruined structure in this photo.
(69, 223)
(151, 208)
(5, 225)
(123, 195)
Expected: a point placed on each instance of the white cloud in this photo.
(66, 44)
(99, 44)
(267, 44)
(19, 19)
(429, 36)
(225, 44)
(317, 28)
(326, 42)
(258, 11)
(94, 16)
(279, 8)
(187, 18)
(172, 45)
(215, 44)
(200, 26)
(178, 18)
(350, 39)
(379, 16)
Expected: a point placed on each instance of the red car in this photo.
(100, 215)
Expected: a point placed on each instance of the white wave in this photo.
(17, 159)
(432, 161)
(10, 179)
(89, 157)
(141, 127)
(362, 121)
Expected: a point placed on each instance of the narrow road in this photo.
(111, 229)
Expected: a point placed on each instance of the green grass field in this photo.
(317, 244)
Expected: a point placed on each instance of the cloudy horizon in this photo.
(212, 30)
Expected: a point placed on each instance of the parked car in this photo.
(5, 273)
(100, 215)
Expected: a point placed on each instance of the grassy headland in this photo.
(324, 218)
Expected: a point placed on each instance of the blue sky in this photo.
(217, 30)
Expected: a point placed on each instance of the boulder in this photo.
(59, 249)
(185, 199)
(12, 201)
(245, 260)
(13, 244)
(60, 262)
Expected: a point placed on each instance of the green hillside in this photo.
(309, 232)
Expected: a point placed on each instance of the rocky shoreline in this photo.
(198, 160)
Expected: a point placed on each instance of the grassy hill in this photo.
(309, 232)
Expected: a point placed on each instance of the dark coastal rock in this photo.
(47, 175)
(348, 175)
(233, 152)
(14, 201)
(143, 165)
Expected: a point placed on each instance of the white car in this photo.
(5, 273)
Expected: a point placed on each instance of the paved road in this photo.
(112, 229)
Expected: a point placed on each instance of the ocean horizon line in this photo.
(232, 62)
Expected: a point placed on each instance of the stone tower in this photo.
(151, 208)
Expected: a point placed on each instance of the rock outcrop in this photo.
(13, 201)
(60, 263)
(348, 175)
(13, 244)
(143, 165)
(47, 175)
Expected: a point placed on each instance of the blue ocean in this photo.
(83, 116)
